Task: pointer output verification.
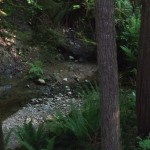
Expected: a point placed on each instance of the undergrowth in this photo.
(80, 128)
(35, 70)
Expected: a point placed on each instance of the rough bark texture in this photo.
(108, 75)
(143, 75)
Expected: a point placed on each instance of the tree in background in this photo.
(143, 72)
(108, 75)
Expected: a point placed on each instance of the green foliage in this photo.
(8, 9)
(35, 70)
(91, 104)
(50, 145)
(52, 36)
(123, 9)
(127, 19)
(57, 125)
(128, 104)
(34, 139)
(34, 4)
(50, 40)
(4, 35)
(128, 119)
(82, 122)
(51, 13)
(85, 19)
(131, 37)
(24, 36)
(144, 144)
(77, 123)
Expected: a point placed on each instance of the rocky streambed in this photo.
(38, 110)
(23, 100)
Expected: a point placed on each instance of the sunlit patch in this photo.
(2, 13)
(8, 38)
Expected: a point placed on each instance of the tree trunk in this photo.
(108, 75)
(143, 75)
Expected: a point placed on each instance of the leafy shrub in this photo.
(144, 144)
(82, 126)
(34, 139)
(123, 9)
(76, 127)
(35, 70)
(84, 121)
(128, 104)
(91, 104)
(127, 19)
(87, 119)
(78, 124)
(128, 119)
(49, 40)
(131, 37)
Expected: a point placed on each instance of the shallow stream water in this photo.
(14, 94)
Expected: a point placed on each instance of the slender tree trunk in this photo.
(143, 75)
(108, 75)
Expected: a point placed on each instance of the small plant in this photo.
(24, 36)
(84, 121)
(35, 70)
(128, 104)
(144, 144)
(77, 123)
(34, 139)
(128, 119)
(91, 104)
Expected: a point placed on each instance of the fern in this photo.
(31, 138)
(50, 145)
(35, 70)
(27, 146)
(91, 105)
(144, 144)
(77, 124)
(84, 121)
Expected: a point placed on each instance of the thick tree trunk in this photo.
(108, 75)
(143, 75)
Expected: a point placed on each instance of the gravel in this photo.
(38, 110)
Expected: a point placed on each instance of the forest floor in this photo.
(22, 100)
(56, 95)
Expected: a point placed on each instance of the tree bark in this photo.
(108, 75)
(143, 73)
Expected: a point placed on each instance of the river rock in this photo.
(71, 57)
(65, 79)
(41, 81)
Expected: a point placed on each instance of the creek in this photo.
(14, 94)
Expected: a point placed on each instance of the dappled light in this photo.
(7, 38)
(57, 90)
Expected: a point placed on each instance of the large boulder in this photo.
(79, 49)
